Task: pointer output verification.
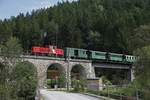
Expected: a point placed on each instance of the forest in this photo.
(119, 26)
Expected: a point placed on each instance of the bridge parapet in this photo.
(55, 58)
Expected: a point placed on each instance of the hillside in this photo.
(105, 25)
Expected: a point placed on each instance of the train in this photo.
(48, 50)
(76, 53)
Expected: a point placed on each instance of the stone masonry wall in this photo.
(43, 64)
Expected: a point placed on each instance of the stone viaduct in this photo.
(43, 63)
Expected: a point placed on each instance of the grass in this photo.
(114, 92)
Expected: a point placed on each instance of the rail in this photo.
(28, 54)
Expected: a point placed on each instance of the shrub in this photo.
(62, 80)
(79, 85)
(25, 80)
(49, 81)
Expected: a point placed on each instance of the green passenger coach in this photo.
(98, 55)
(76, 53)
(130, 58)
(116, 57)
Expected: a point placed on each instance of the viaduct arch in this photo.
(84, 67)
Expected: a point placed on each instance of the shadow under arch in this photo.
(78, 72)
(54, 71)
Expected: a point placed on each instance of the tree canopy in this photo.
(25, 81)
(9, 51)
(142, 70)
(105, 25)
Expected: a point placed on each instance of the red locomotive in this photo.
(48, 50)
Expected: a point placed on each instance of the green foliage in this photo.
(106, 81)
(115, 25)
(4, 87)
(131, 89)
(10, 50)
(79, 85)
(106, 25)
(2, 73)
(11, 46)
(142, 70)
(5, 92)
(49, 81)
(140, 37)
(25, 80)
(62, 80)
(94, 39)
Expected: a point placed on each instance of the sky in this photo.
(10, 8)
